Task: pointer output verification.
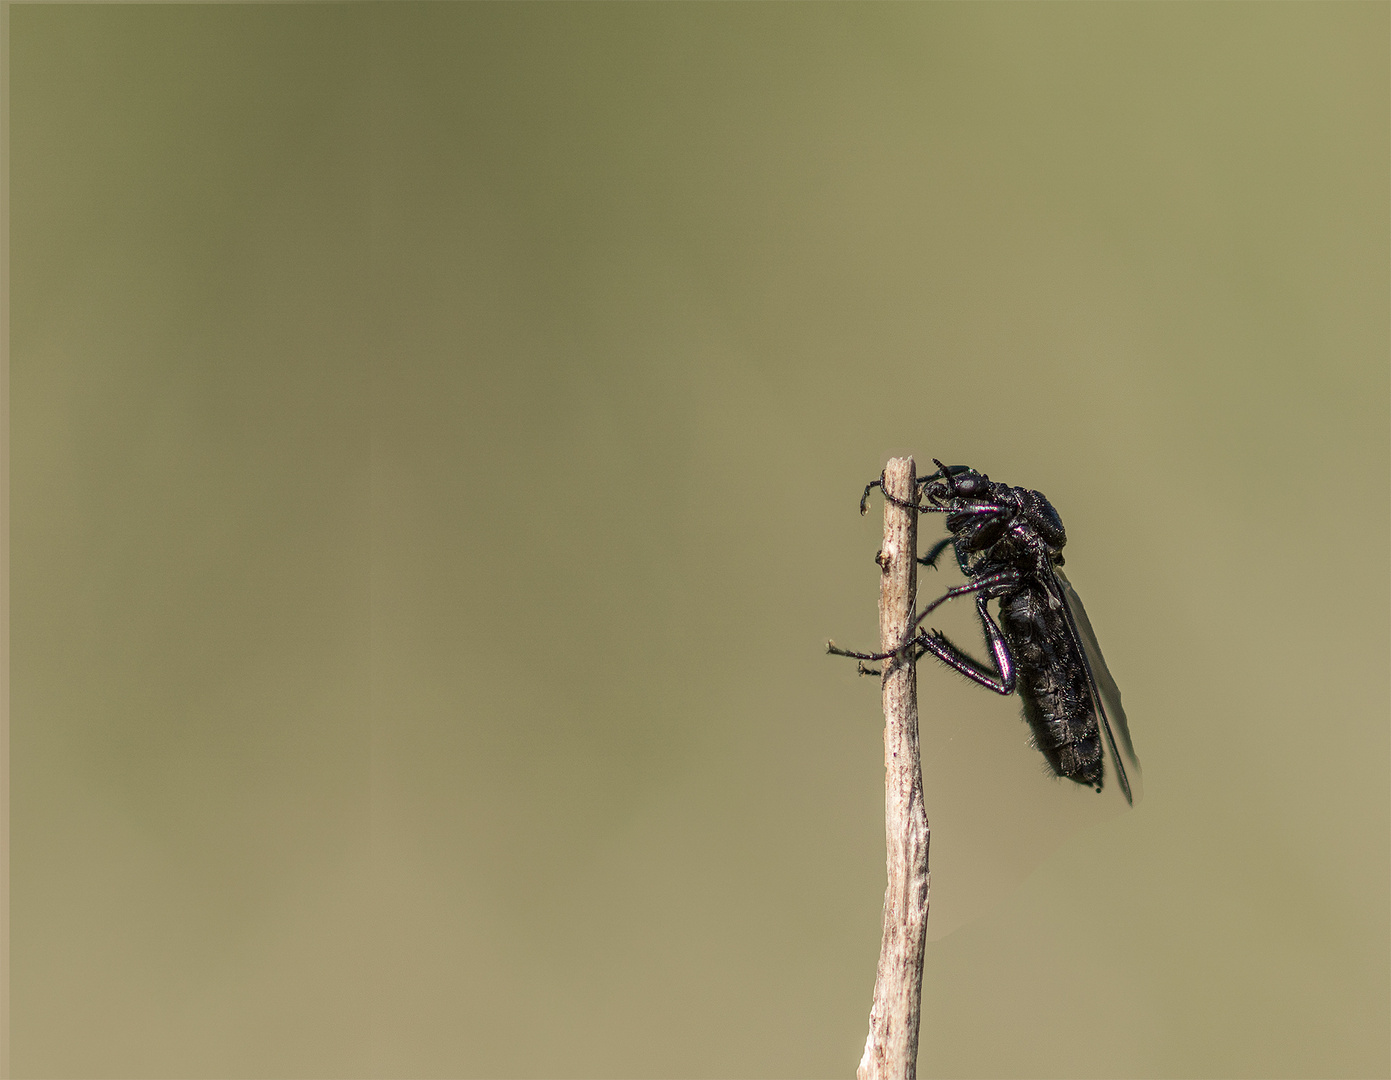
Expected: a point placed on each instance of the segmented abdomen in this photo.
(1053, 685)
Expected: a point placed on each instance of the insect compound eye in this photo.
(972, 485)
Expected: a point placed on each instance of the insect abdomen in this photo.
(1052, 680)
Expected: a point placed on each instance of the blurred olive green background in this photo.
(436, 438)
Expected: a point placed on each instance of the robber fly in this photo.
(1008, 543)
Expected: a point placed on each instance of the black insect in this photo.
(1008, 542)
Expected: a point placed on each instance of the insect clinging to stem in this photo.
(1008, 543)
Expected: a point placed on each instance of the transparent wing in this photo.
(998, 811)
(1108, 695)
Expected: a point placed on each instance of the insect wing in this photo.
(1108, 695)
(998, 810)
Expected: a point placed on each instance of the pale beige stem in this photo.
(891, 1051)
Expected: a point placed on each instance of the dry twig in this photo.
(891, 1050)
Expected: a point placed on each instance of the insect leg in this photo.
(921, 506)
(864, 499)
(1001, 678)
(912, 642)
(930, 559)
(992, 582)
(1006, 578)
